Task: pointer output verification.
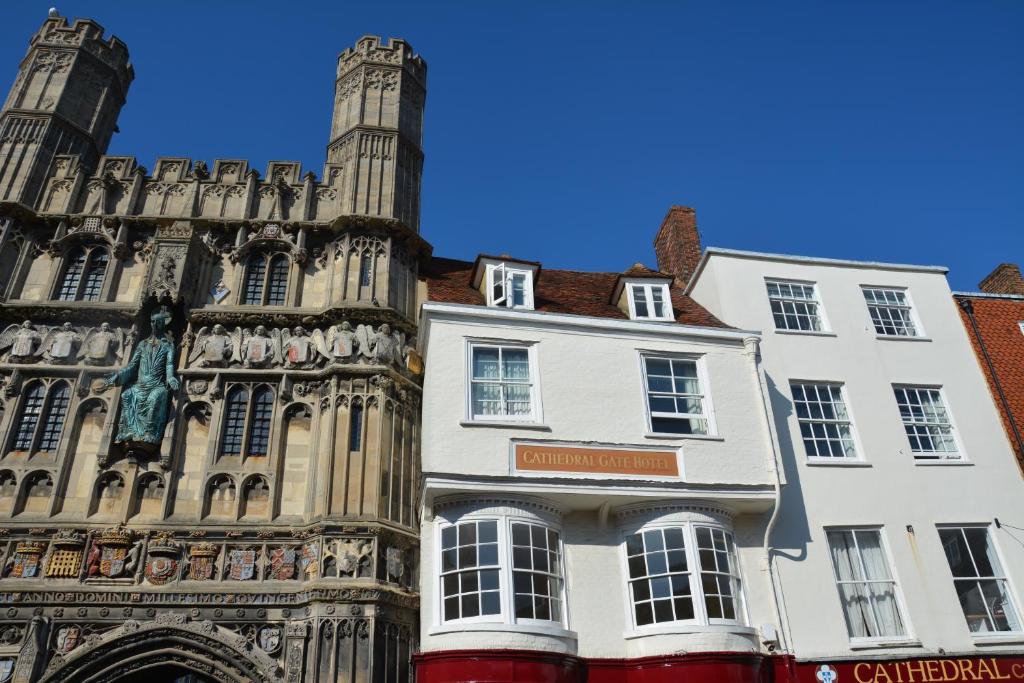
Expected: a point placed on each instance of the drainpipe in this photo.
(968, 308)
(751, 348)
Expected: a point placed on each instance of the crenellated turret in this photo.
(66, 97)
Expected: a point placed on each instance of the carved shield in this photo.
(112, 561)
(62, 346)
(270, 639)
(243, 564)
(282, 563)
(394, 563)
(200, 568)
(99, 346)
(26, 566)
(310, 561)
(298, 350)
(213, 350)
(6, 670)
(257, 350)
(68, 638)
(160, 570)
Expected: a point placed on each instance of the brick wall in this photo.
(677, 244)
(1005, 279)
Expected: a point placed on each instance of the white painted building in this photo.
(598, 475)
(900, 528)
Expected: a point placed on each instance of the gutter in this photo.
(968, 308)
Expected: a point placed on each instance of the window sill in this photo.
(682, 437)
(942, 462)
(807, 333)
(878, 643)
(478, 627)
(836, 462)
(505, 425)
(680, 629)
(900, 337)
(1012, 638)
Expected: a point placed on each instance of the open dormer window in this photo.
(509, 287)
(649, 301)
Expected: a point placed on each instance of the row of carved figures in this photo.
(159, 559)
(297, 347)
(64, 344)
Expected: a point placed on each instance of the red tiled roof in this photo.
(558, 291)
(998, 322)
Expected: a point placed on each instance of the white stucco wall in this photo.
(893, 490)
(591, 386)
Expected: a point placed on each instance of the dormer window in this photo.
(509, 286)
(649, 301)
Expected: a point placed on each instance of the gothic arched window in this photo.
(8, 262)
(84, 272)
(266, 279)
(247, 422)
(41, 420)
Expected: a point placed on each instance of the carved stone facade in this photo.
(270, 534)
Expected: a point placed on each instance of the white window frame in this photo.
(700, 617)
(536, 412)
(506, 615)
(648, 289)
(915, 319)
(956, 455)
(820, 305)
(858, 455)
(702, 380)
(909, 635)
(1011, 589)
(1020, 324)
(502, 275)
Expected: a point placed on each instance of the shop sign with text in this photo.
(587, 461)
(943, 670)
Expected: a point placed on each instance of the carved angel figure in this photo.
(381, 347)
(103, 346)
(22, 340)
(259, 349)
(299, 349)
(60, 344)
(342, 344)
(212, 348)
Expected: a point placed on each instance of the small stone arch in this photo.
(36, 493)
(255, 503)
(107, 495)
(148, 496)
(221, 495)
(134, 648)
(8, 491)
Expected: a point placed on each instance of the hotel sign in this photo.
(947, 669)
(603, 461)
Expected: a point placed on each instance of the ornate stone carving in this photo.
(24, 563)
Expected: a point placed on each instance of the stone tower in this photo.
(266, 528)
(70, 87)
(377, 130)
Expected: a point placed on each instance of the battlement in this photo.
(395, 52)
(86, 33)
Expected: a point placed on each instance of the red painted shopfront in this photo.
(514, 666)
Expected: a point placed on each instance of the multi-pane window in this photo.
(926, 421)
(509, 287)
(667, 567)
(266, 279)
(536, 572)
(84, 273)
(866, 585)
(650, 302)
(41, 421)
(247, 422)
(470, 572)
(675, 401)
(890, 312)
(979, 580)
(795, 306)
(501, 570)
(500, 383)
(824, 421)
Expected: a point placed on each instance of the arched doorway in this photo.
(168, 673)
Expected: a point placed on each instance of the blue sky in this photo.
(562, 131)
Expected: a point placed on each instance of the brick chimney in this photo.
(1005, 279)
(677, 244)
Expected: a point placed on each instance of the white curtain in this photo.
(866, 588)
